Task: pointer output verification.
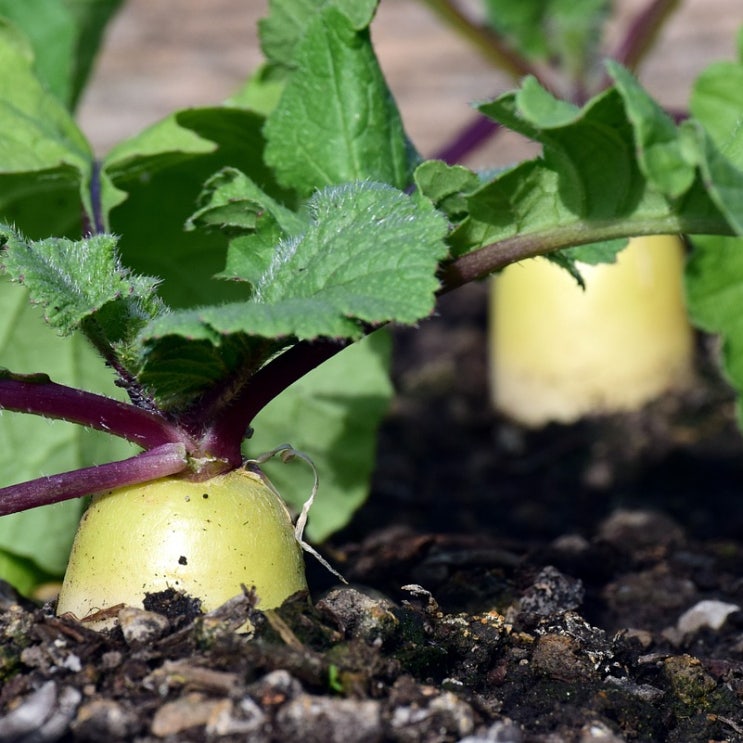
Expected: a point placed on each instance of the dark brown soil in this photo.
(505, 586)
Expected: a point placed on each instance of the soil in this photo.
(577, 583)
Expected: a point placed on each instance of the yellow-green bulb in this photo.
(203, 538)
(558, 352)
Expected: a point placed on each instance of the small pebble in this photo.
(140, 626)
(707, 613)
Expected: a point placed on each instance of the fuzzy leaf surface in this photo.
(368, 255)
(78, 281)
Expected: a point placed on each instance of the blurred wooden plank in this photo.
(172, 54)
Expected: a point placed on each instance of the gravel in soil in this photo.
(581, 583)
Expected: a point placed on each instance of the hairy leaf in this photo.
(368, 256)
(76, 282)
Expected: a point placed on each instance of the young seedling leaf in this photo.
(77, 282)
(336, 121)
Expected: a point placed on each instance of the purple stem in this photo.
(642, 32)
(161, 461)
(38, 395)
(467, 140)
(225, 435)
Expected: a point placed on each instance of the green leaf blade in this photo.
(336, 121)
(661, 150)
(80, 282)
(714, 288)
(368, 256)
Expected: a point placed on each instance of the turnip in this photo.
(204, 538)
(559, 352)
(556, 352)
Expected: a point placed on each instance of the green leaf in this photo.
(714, 291)
(51, 29)
(285, 25)
(162, 172)
(368, 255)
(332, 414)
(80, 282)
(446, 186)
(65, 36)
(588, 182)
(237, 206)
(33, 447)
(36, 132)
(44, 159)
(589, 147)
(716, 102)
(663, 156)
(336, 121)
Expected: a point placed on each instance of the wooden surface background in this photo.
(166, 54)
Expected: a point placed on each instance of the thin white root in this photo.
(286, 453)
